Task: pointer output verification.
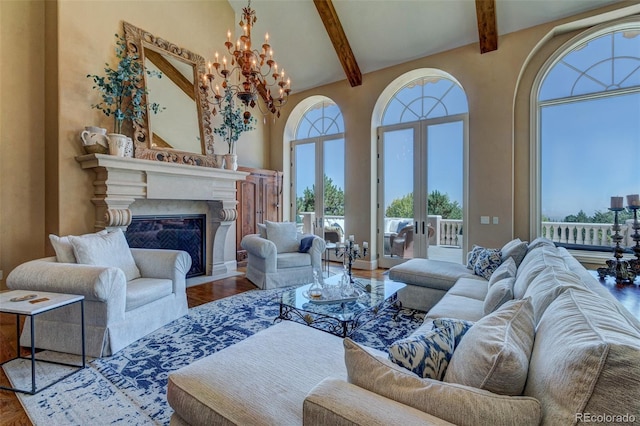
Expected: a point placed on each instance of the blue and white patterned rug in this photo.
(130, 387)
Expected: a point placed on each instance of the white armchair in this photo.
(269, 268)
(117, 312)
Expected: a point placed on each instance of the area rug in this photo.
(130, 387)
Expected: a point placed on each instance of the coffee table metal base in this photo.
(341, 328)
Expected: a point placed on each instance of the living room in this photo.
(48, 49)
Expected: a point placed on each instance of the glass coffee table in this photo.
(341, 318)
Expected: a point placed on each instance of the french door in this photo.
(318, 183)
(417, 159)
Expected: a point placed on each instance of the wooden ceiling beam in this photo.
(171, 72)
(487, 26)
(333, 26)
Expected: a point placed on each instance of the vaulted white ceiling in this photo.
(383, 33)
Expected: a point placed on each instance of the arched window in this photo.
(421, 145)
(318, 171)
(588, 135)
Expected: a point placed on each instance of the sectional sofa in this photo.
(545, 343)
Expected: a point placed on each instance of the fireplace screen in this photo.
(181, 232)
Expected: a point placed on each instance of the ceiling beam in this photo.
(333, 26)
(487, 27)
(170, 71)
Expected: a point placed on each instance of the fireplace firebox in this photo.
(177, 232)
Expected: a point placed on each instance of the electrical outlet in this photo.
(484, 220)
(495, 220)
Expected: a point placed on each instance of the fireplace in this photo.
(127, 188)
(176, 232)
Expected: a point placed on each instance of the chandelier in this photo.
(248, 73)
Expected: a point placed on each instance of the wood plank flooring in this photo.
(11, 411)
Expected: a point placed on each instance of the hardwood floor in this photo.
(12, 413)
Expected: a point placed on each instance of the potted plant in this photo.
(122, 91)
(234, 123)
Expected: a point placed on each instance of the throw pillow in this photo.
(106, 250)
(305, 244)
(284, 235)
(63, 248)
(487, 262)
(262, 230)
(457, 327)
(494, 354)
(427, 355)
(455, 404)
(506, 269)
(515, 249)
(472, 256)
(498, 294)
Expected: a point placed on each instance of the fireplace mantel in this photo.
(120, 181)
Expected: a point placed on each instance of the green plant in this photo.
(234, 122)
(122, 89)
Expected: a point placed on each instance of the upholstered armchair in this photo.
(402, 242)
(119, 309)
(280, 256)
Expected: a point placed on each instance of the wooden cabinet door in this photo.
(259, 199)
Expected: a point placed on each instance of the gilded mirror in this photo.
(181, 131)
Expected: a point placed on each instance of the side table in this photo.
(327, 249)
(30, 304)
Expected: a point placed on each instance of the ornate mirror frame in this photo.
(137, 39)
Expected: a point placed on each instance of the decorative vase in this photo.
(218, 161)
(231, 161)
(128, 150)
(94, 140)
(118, 144)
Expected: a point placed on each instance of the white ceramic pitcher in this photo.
(95, 140)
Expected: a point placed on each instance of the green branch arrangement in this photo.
(234, 122)
(122, 89)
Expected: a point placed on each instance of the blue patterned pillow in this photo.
(426, 355)
(472, 256)
(488, 261)
(457, 327)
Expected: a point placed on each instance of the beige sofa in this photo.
(583, 364)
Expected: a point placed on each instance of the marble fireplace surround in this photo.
(127, 187)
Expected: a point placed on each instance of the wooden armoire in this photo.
(259, 199)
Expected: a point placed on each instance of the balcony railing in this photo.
(448, 232)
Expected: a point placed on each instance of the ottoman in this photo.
(427, 281)
(262, 380)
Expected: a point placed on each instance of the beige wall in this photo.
(77, 38)
(21, 133)
(490, 81)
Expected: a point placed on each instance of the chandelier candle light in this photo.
(249, 72)
(350, 251)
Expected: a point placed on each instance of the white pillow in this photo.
(507, 269)
(284, 235)
(514, 249)
(106, 250)
(63, 248)
(494, 354)
(498, 294)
